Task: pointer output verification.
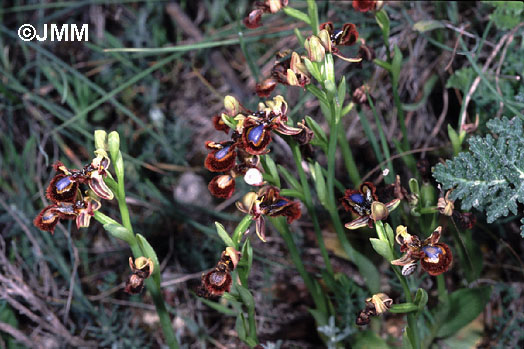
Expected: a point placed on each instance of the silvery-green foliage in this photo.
(490, 177)
(334, 334)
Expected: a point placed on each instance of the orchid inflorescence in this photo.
(268, 202)
(376, 305)
(251, 135)
(141, 268)
(364, 203)
(66, 197)
(435, 257)
(253, 20)
(291, 70)
(218, 281)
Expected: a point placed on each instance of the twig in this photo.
(396, 156)
(73, 273)
(18, 335)
(181, 279)
(476, 82)
(440, 120)
(461, 31)
(44, 269)
(497, 73)
(184, 23)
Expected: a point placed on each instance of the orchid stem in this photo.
(152, 285)
(308, 202)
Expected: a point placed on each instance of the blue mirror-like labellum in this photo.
(432, 252)
(219, 155)
(280, 203)
(357, 198)
(255, 134)
(63, 184)
(48, 217)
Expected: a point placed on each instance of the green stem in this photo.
(349, 161)
(400, 114)
(464, 259)
(308, 202)
(412, 328)
(442, 291)
(252, 324)
(370, 136)
(366, 268)
(390, 178)
(153, 286)
(283, 229)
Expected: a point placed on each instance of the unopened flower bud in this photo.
(142, 265)
(292, 79)
(134, 284)
(101, 139)
(247, 202)
(379, 211)
(315, 50)
(276, 5)
(325, 39)
(231, 105)
(234, 255)
(445, 206)
(381, 302)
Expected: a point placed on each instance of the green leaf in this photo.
(428, 196)
(329, 66)
(246, 296)
(102, 218)
(341, 94)
(271, 168)
(148, 252)
(320, 183)
(403, 308)
(427, 25)
(383, 22)
(390, 235)
(319, 316)
(224, 235)
(507, 14)
(240, 229)
(396, 65)
(119, 232)
(461, 79)
(312, 11)
(421, 299)
(465, 305)
(382, 248)
(427, 89)
(291, 12)
(368, 339)
(290, 179)
(382, 64)
(312, 68)
(247, 254)
(331, 88)
(229, 121)
(490, 177)
(292, 193)
(218, 307)
(241, 327)
(317, 130)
